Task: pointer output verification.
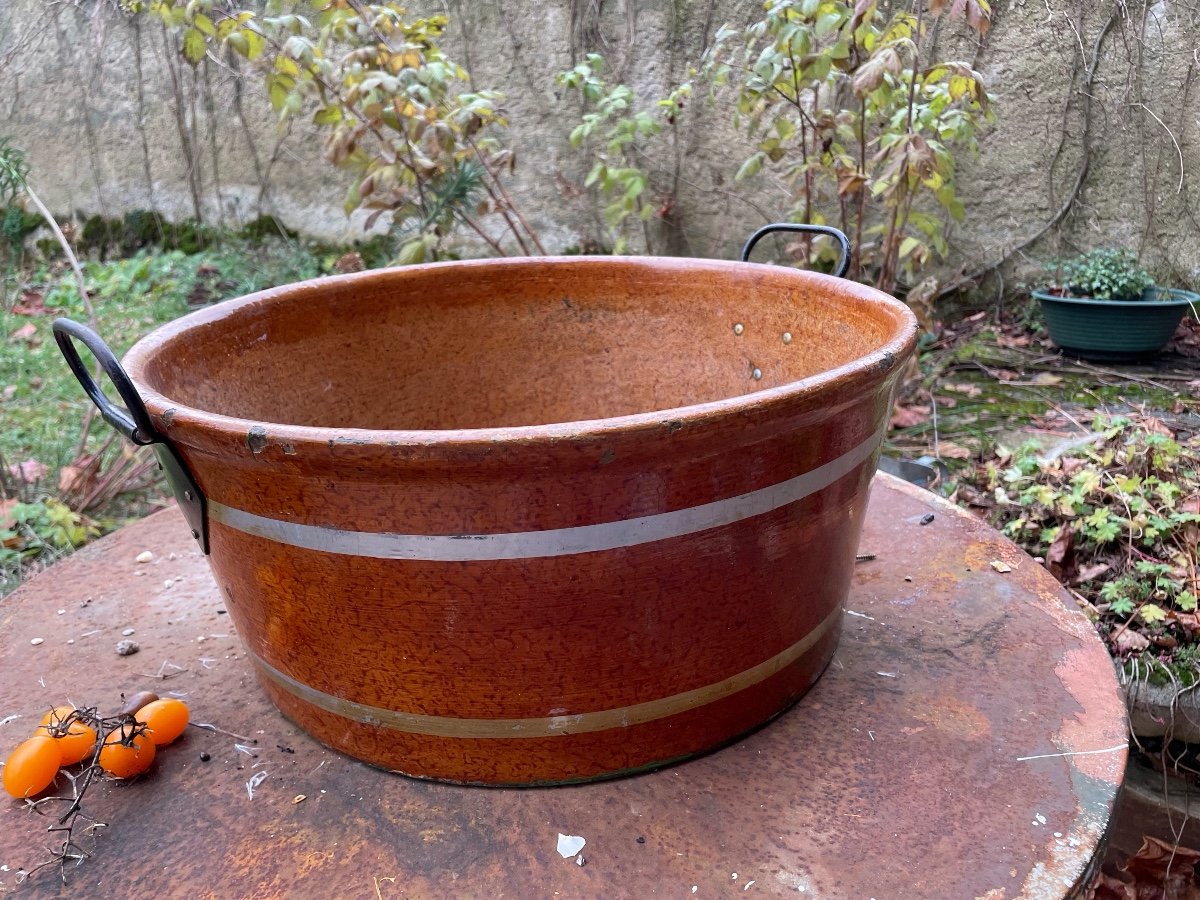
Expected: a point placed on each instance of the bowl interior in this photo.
(510, 343)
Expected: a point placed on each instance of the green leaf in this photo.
(1152, 613)
(194, 46)
(204, 24)
(750, 167)
(1122, 606)
(328, 115)
(412, 253)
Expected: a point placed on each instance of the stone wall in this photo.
(95, 100)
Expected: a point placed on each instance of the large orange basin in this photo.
(539, 520)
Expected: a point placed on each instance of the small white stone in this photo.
(738, 328)
(70, 640)
(127, 632)
(787, 337)
(139, 572)
(62, 612)
(36, 641)
(144, 557)
(757, 373)
(168, 583)
(171, 556)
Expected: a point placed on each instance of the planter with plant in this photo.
(1101, 305)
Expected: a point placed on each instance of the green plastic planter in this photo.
(1115, 329)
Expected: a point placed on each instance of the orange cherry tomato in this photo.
(125, 753)
(165, 720)
(79, 740)
(31, 767)
(56, 716)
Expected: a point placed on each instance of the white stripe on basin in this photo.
(551, 542)
(550, 726)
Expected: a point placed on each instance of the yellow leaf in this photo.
(278, 94)
(329, 115)
(286, 66)
(204, 24)
(194, 47)
(255, 43)
(411, 59)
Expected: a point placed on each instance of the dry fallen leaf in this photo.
(1088, 573)
(1130, 641)
(27, 333)
(1046, 379)
(29, 471)
(908, 416)
(1164, 870)
(1156, 426)
(1060, 556)
(1001, 566)
(30, 304)
(971, 390)
(1189, 622)
(6, 519)
(1020, 340)
(1105, 887)
(951, 450)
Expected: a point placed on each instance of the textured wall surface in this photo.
(1095, 94)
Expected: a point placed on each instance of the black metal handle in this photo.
(843, 265)
(133, 421)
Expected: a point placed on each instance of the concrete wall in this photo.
(102, 139)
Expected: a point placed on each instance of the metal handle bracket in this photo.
(134, 420)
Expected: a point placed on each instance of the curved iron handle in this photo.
(843, 265)
(133, 421)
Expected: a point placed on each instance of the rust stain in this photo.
(951, 715)
(980, 555)
(1093, 727)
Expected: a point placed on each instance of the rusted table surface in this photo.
(967, 741)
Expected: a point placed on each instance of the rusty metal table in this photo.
(967, 741)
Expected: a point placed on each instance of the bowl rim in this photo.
(179, 419)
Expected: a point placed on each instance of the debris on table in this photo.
(569, 845)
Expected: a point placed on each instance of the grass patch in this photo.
(42, 406)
